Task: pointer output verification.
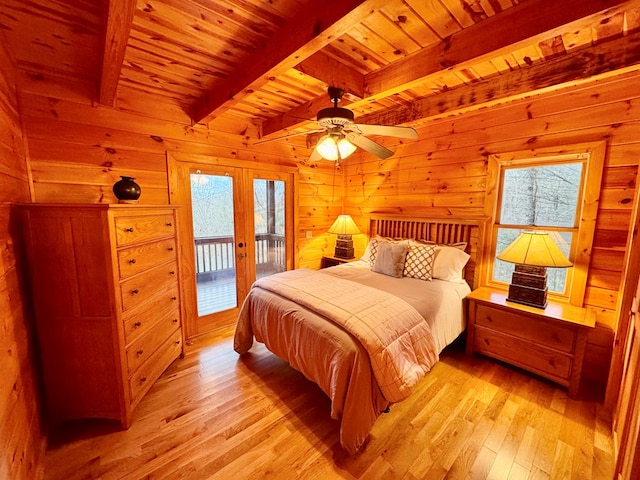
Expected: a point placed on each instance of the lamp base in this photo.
(344, 247)
(529, 286)
(533, 297)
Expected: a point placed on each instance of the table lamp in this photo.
(532, 252)
(344, 227)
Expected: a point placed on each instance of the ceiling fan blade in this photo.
(369, 145)
(386, 130)
(289, 136)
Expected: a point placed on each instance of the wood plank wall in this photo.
(21, 437)
(444, 173)
(78, 150)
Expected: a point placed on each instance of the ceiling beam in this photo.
(614, 55)
(119, 18)
(497, 35)
(334, 73)
(303, 35)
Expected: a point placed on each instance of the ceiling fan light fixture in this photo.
(328, 148)
(345, 147)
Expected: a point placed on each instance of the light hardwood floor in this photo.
(216, 415)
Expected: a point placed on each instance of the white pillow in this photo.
(419, 262)
(449, 263)
(390, 259)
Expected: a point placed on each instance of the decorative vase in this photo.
(126, 190)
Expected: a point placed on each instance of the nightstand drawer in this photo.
(536, 358)
(532, 330)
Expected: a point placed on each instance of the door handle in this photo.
(242, 255)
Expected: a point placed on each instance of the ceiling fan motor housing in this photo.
(334, 116)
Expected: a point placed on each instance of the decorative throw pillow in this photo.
(419, 262)
(371, 251)
(449, 263)
(390, 259)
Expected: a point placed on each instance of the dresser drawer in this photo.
(140, 350)
(139, 321)
(136, 229)
(546, 362)
(543, 332)
(144, 377)
(148, 286)
(134, 260)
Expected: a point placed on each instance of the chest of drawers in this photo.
(106, 297)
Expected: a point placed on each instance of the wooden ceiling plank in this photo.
(436, 15)
(497, 35)
(483, 42)
(410, 23)
(301, 36)
(328, 70)
(604, 58)
(119, 18)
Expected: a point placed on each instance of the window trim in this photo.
(593, 155)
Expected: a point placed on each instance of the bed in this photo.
(365, 337)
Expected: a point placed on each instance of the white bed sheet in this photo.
(438, 301)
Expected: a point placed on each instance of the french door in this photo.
(236, 226)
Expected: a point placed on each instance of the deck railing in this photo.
(215, 257)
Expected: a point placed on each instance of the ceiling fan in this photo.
(343, 135)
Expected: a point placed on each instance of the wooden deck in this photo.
(216, 296)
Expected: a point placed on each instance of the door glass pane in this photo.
(269, 220)
(213, 232)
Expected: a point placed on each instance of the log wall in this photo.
(21, 437)
(444, 173)
(78, 150)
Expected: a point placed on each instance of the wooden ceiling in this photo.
(269, 62)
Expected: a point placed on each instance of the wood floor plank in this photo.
(215, 415)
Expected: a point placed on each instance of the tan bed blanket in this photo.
(398, 340)
(288, 313)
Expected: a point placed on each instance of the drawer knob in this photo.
(132, 261)
(169, 224)
(177, 342)
(130, 229)
(143, 379)
(135, 291)
(139, 352)
(174, 298)
(137, 324)
(175, 320)
(172, 272)
(170, 249)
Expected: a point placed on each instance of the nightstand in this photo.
(549, 342)
(332, 261)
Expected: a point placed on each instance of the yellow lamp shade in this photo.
(344, 225)
(536, 249)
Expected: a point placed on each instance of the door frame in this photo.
(179, 167)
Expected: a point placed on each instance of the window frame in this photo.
(592, 155)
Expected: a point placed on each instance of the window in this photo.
(555, 190)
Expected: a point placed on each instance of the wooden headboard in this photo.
(438, 230)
